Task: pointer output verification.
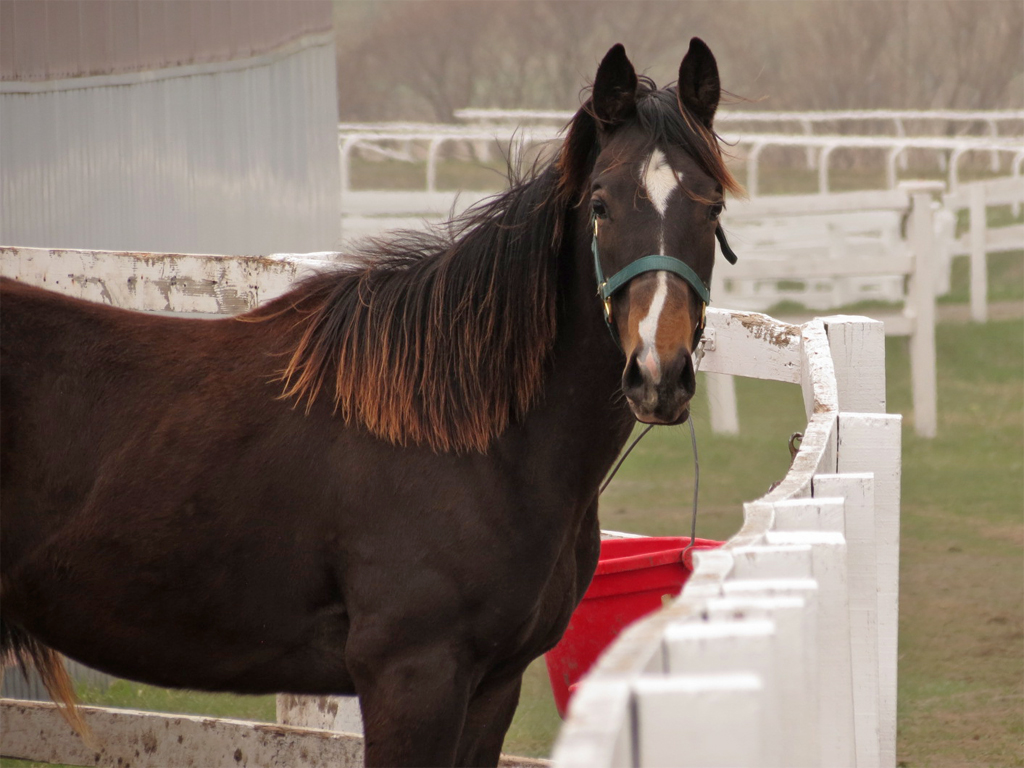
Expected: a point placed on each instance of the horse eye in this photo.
(599, 208)
(715, 211)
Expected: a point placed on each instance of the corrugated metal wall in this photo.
(234, 156)
(54, 39)
(156, 125)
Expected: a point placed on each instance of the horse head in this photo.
(656, 191)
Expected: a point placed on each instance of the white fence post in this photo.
(922, 297)
(858, 356)
(858, 493)
(873, 443)
(828, 550)
(728, 733)
(802, 746)
(795, 695)
(978, 257)
(869, 443)
(722, 405)
(745, 646)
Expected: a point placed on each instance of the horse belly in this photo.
(138, 532)
(198, 618)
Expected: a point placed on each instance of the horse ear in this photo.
(699, 87)
(614, 97)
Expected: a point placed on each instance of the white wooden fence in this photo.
(999, 124)
(781, 649)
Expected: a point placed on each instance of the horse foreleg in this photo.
(487, 721)
(413, 706)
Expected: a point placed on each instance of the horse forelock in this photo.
(441, 339)
(663, 119)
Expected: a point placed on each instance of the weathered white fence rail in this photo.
(165, 282)
(33, 730)
(781, 649)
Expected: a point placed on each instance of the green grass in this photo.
(962, 606)
(1005, 278)
(130, 695)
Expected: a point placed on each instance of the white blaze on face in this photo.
(660, 181)
(648, 330)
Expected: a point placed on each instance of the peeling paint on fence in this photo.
(170, 282)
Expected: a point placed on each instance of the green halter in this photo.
(607, 288)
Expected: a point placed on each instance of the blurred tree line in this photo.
(423, 59)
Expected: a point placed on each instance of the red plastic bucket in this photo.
(632, 577)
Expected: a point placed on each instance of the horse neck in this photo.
(583, 417)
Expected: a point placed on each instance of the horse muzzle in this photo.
(659, 391)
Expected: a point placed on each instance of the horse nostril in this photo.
(632, 379)
(687, 376)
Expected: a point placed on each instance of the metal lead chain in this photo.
(696, 487)
(696, 476)
(622, 458)
(698, 356)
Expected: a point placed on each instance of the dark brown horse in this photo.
(384, 482)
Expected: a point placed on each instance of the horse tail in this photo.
(17, 646)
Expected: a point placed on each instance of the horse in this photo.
(385, 481)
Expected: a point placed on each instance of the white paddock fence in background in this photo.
(980, 239)
(781, 649)
(924, 121)
(825, 251)
(997, 124)
(418, 142)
